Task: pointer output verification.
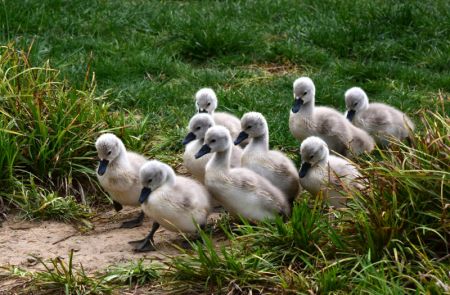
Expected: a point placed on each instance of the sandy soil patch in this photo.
(105, 245)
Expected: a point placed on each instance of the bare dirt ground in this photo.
(106, 244)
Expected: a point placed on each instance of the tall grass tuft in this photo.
(8, 147)
(60, 277)
(408, 201)
(218, 269)
(308, 231)
(47, 134)
(135, 273)
(56, 124)
(39, 203)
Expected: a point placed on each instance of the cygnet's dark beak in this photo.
(102, 167)
(202, 111)
(190, 137)
(241, 137)
(350, 115)
(145, 193)
(203, 151)
(304, 169)
(298, 102)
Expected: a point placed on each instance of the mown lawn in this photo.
(134, 66)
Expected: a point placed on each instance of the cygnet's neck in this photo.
(170, 176)
(221, 159)
(121, 160)
(259, 143)
(365, 105)
(201, 139)
(307, 109)
(324, 161)
(194, 146)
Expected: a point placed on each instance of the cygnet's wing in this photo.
(343, 173)
(378, 116)
(250, 182)
(330, 122)
(193, 195)
(333, 128)
(278, 163)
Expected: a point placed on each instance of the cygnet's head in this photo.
(198, 125)
(313, 151)
(153, 174)
(206, 100)
(217, 139)
(356, 100)
(108, 148)
(253, 124)
(304, 92)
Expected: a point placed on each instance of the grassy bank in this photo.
(71, 70)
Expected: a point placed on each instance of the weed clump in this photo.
(47, 130)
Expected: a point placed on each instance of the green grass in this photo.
(47, 131)
(70, 70)
(136, 273)
(153, 56)
(59, 277)
(36, 202)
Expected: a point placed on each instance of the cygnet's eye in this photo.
(355, 104)
(208, 104)
(150, 180)
(306, 92)
(109, 153)
(249, 127)
(312, 156)
(213, 141)
(198, 128)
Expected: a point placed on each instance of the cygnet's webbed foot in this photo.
(137, 242)
(131, 224)
(187, 244)
(117, 206)
(134, 222)
(145, 246)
